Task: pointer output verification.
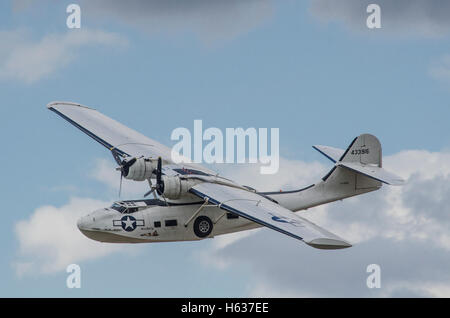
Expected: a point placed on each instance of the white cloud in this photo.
(27, 60)
(437, 289)
(404, 229)
(49, 239)
(218, 243)
(425, 289)
(424, 164)
(402, 221)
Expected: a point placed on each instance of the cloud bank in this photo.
(405, 230)
(49, 239)
(27, 60)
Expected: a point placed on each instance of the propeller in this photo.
(159, 186)
(124, 166)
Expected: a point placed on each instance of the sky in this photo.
(310, 68)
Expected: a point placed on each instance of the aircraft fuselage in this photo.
(161, 223)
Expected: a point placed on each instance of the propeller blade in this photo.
(149, 192)
(159, 182)
(152, 188)
(164, 198)
(120, 185)
(159, 171)
(129, 163)
(126, 166)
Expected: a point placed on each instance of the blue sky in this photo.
(283, 64)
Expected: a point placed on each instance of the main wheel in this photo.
(203, 226)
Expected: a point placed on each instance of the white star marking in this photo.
(128, 223)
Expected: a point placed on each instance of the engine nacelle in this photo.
(175, 187)
(141, 170)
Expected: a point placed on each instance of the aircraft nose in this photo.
(89, 221)
(81, 223)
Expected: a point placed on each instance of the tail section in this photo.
(357, 170)
(364, 157)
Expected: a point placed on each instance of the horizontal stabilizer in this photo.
(373, 172)
(334, 154)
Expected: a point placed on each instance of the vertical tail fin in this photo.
(365, 149)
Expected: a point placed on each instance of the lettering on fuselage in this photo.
(364, 151)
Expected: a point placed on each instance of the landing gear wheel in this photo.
(203, 226)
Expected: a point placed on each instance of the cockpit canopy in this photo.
(132, 206)
(118, 207)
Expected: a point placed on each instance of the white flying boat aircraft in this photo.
(194, 202)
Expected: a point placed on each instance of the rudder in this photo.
(364, 149)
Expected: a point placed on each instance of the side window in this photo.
(232, 216)
(171, 223)
(157, 224)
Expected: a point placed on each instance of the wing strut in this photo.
(205, 204)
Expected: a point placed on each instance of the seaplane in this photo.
(191, 202)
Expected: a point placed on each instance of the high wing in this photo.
(113, 135)
(261, 210)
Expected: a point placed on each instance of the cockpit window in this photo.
(119, 208)
(123, 209)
